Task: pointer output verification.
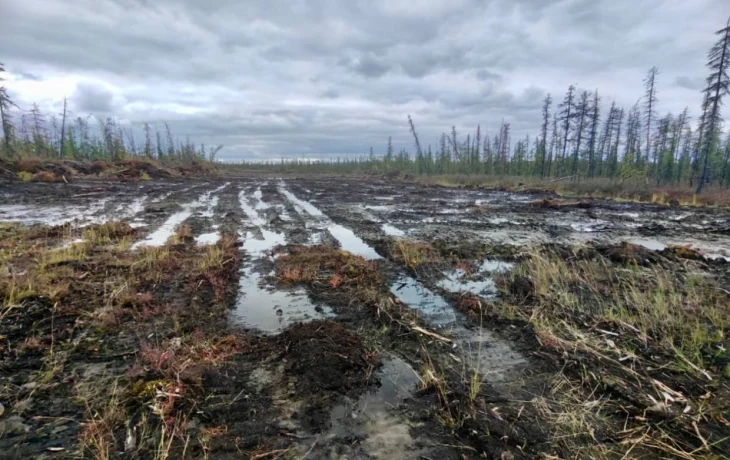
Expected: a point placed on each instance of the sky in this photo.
(322, 78)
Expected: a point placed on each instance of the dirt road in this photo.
(366, 353)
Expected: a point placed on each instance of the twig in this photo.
(430, 334)
(699, 435)
(270, 454)
(310, 449)
(695, 367)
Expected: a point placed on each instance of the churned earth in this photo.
(311, 317)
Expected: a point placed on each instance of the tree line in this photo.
(30, 133)
(579, 139)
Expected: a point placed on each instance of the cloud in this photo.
(93, 98)
(314, 77)
(368, 66)
(330, 94)
(696, 84)
(486, 75)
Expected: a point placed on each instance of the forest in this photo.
(581, 137)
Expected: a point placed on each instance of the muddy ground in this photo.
(346, 319)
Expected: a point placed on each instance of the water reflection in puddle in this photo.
(168, 228)
(55, 215)
(458, 282)
(383, 434)
(652, 245)
(257, 307)
(346, 237)
(351, 242)
(432, 306)
(207, 238)
(392, 231)
(271, 311)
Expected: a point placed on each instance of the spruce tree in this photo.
(718, 86)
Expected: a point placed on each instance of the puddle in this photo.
(260, 205)
(492, 358)
(710, 251)
(716, 256)
(370, 419)
(54, 215)
(131, 209)
(378, 208)
(498, 220)
(346, 237)
(452, 211)
(164, 196)
(455, 282)
(498, 266)
(351, 242)
(392, 231)
(268, 311)
(415, 295)
(458, 282)
(167, 229)
(652, 245)
(475, 348)
(208, 238)
(272, 311)
(308, 207)
(589, 228)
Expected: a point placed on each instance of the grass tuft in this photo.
(413, 254)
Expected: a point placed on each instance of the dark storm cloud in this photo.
(310, 77)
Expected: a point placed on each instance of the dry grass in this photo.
(95, 291)
(45, 176)
(109, 232)
(685, 314)
(323, 264)
(183, 235)
(651, 340)
(413, 254)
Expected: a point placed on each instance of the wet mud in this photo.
(363, 312)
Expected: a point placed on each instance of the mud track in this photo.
(349, 343)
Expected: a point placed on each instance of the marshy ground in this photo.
(292, 317)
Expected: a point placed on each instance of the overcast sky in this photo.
(320, 77)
